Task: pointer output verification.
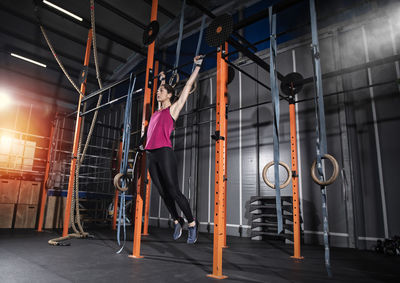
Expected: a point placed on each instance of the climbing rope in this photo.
(96, 63)
(81, 157)
(58, 59)
(75, 213)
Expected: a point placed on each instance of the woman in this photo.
(161, 159)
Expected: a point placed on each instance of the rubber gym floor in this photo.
(25, 256)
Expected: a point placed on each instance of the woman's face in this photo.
(162, 94)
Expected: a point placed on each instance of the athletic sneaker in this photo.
(193, 233)
(178, 228)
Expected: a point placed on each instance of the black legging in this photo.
(163, 170)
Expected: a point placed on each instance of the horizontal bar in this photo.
(109, 103)
(107, 87)
(389, 59)
(268, 38)
(253, 78)
(171, 68)
(247, 74)
(279, 7)
(121, 13)
(350, 90)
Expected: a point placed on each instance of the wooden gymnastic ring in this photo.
(117, 178)
(335, 173)
(284, 165)
(171, 79)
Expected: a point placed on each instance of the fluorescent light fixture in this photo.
(62, 10)
(28, 60)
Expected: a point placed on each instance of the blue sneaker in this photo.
(193, 233)
(178, 228)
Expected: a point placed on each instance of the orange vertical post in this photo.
(225, 154)
(148, 184)
(115, 210)
(219, 167)
(145, 120)
(67, 213)
(295, 181)
(43, 195)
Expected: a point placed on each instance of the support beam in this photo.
(278, 7)
(225, 188)
(162, 10)
(260, 62)
(220, 168)
(148, 184)
(121, 13)
(67, 213)
(43, 194)
(295, 181)
(145, 120)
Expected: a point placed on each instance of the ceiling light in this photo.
(63, 10)
(28, 60)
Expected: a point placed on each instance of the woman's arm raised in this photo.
(178, 105)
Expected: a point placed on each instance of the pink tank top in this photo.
(159, 131)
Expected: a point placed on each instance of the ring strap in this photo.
(275, 103)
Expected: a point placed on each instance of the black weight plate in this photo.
(231, 74)
(150, 33)
(292, 83)
(219, 29)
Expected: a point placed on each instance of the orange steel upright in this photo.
(78, 122)
(145, 120)
(222, 78)
(295, 181)
(43, 195)
(148, 184)
(115, 210)
(226, 158)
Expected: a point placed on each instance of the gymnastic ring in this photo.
(117, 178)
(194, 87)
(335, 173)
(171, 79)
(284, 165)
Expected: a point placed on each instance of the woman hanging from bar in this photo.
(161, 158)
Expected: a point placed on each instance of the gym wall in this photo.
(362, 126)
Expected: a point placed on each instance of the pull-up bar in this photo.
(110, 102)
